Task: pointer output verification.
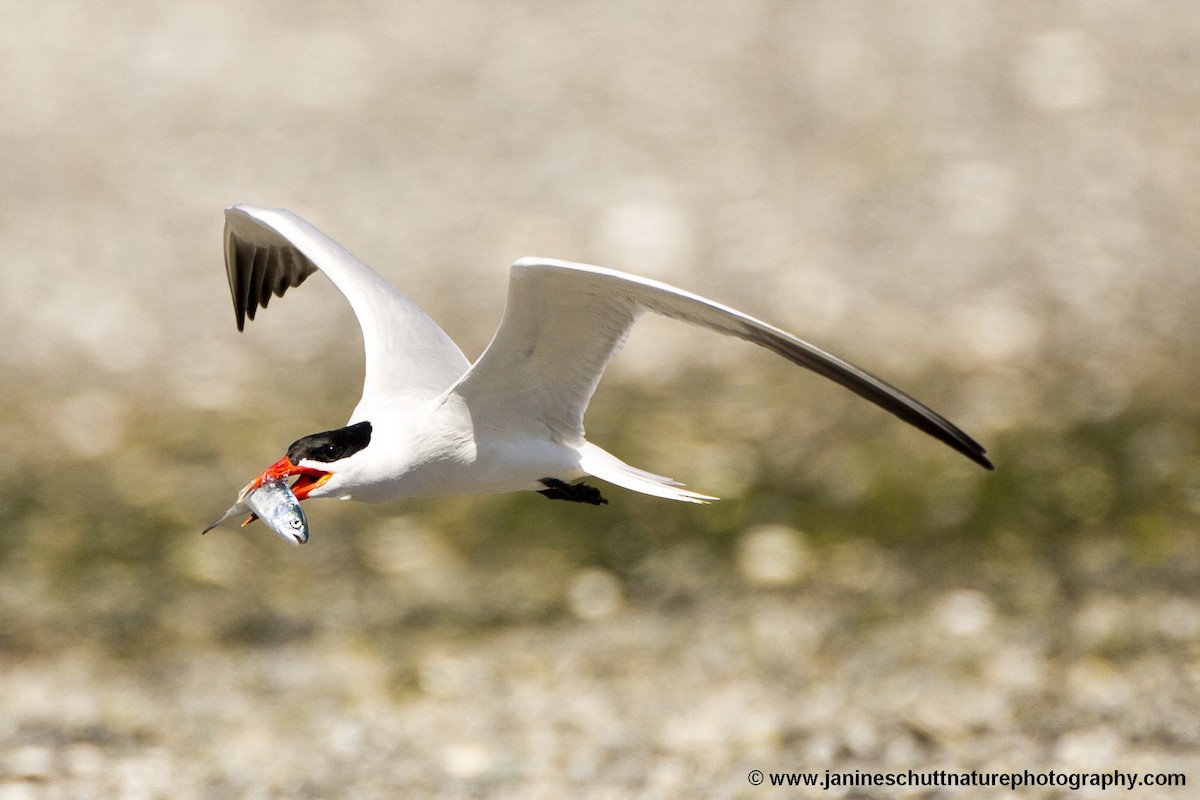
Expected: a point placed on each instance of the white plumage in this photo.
(440, 425)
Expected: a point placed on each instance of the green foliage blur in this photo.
(107, 550)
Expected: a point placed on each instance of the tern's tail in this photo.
(606, 466)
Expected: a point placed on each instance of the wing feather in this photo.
(564, 322)
(268, 251)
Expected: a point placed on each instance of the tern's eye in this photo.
(331, 451)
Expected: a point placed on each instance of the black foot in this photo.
(575, 492)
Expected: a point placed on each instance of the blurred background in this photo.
(993, 205)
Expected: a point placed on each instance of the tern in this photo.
(430, 423)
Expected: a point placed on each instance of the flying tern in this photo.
(431, 423)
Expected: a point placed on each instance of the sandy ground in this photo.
(987, 659)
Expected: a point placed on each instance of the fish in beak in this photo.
(307, 480)
(326, 447)
(269, 498)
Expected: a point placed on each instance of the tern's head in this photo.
(317, 458)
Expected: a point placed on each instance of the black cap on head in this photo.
(330, 446)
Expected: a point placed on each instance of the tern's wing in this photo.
(269, 250)
(564, 322)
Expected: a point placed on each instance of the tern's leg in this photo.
(575, 492)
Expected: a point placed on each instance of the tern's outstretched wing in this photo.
(269, 250)
(564, 322)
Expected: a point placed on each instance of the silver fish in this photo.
(273, 503)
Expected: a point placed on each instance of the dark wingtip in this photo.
(963, 444)
(983, 461)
